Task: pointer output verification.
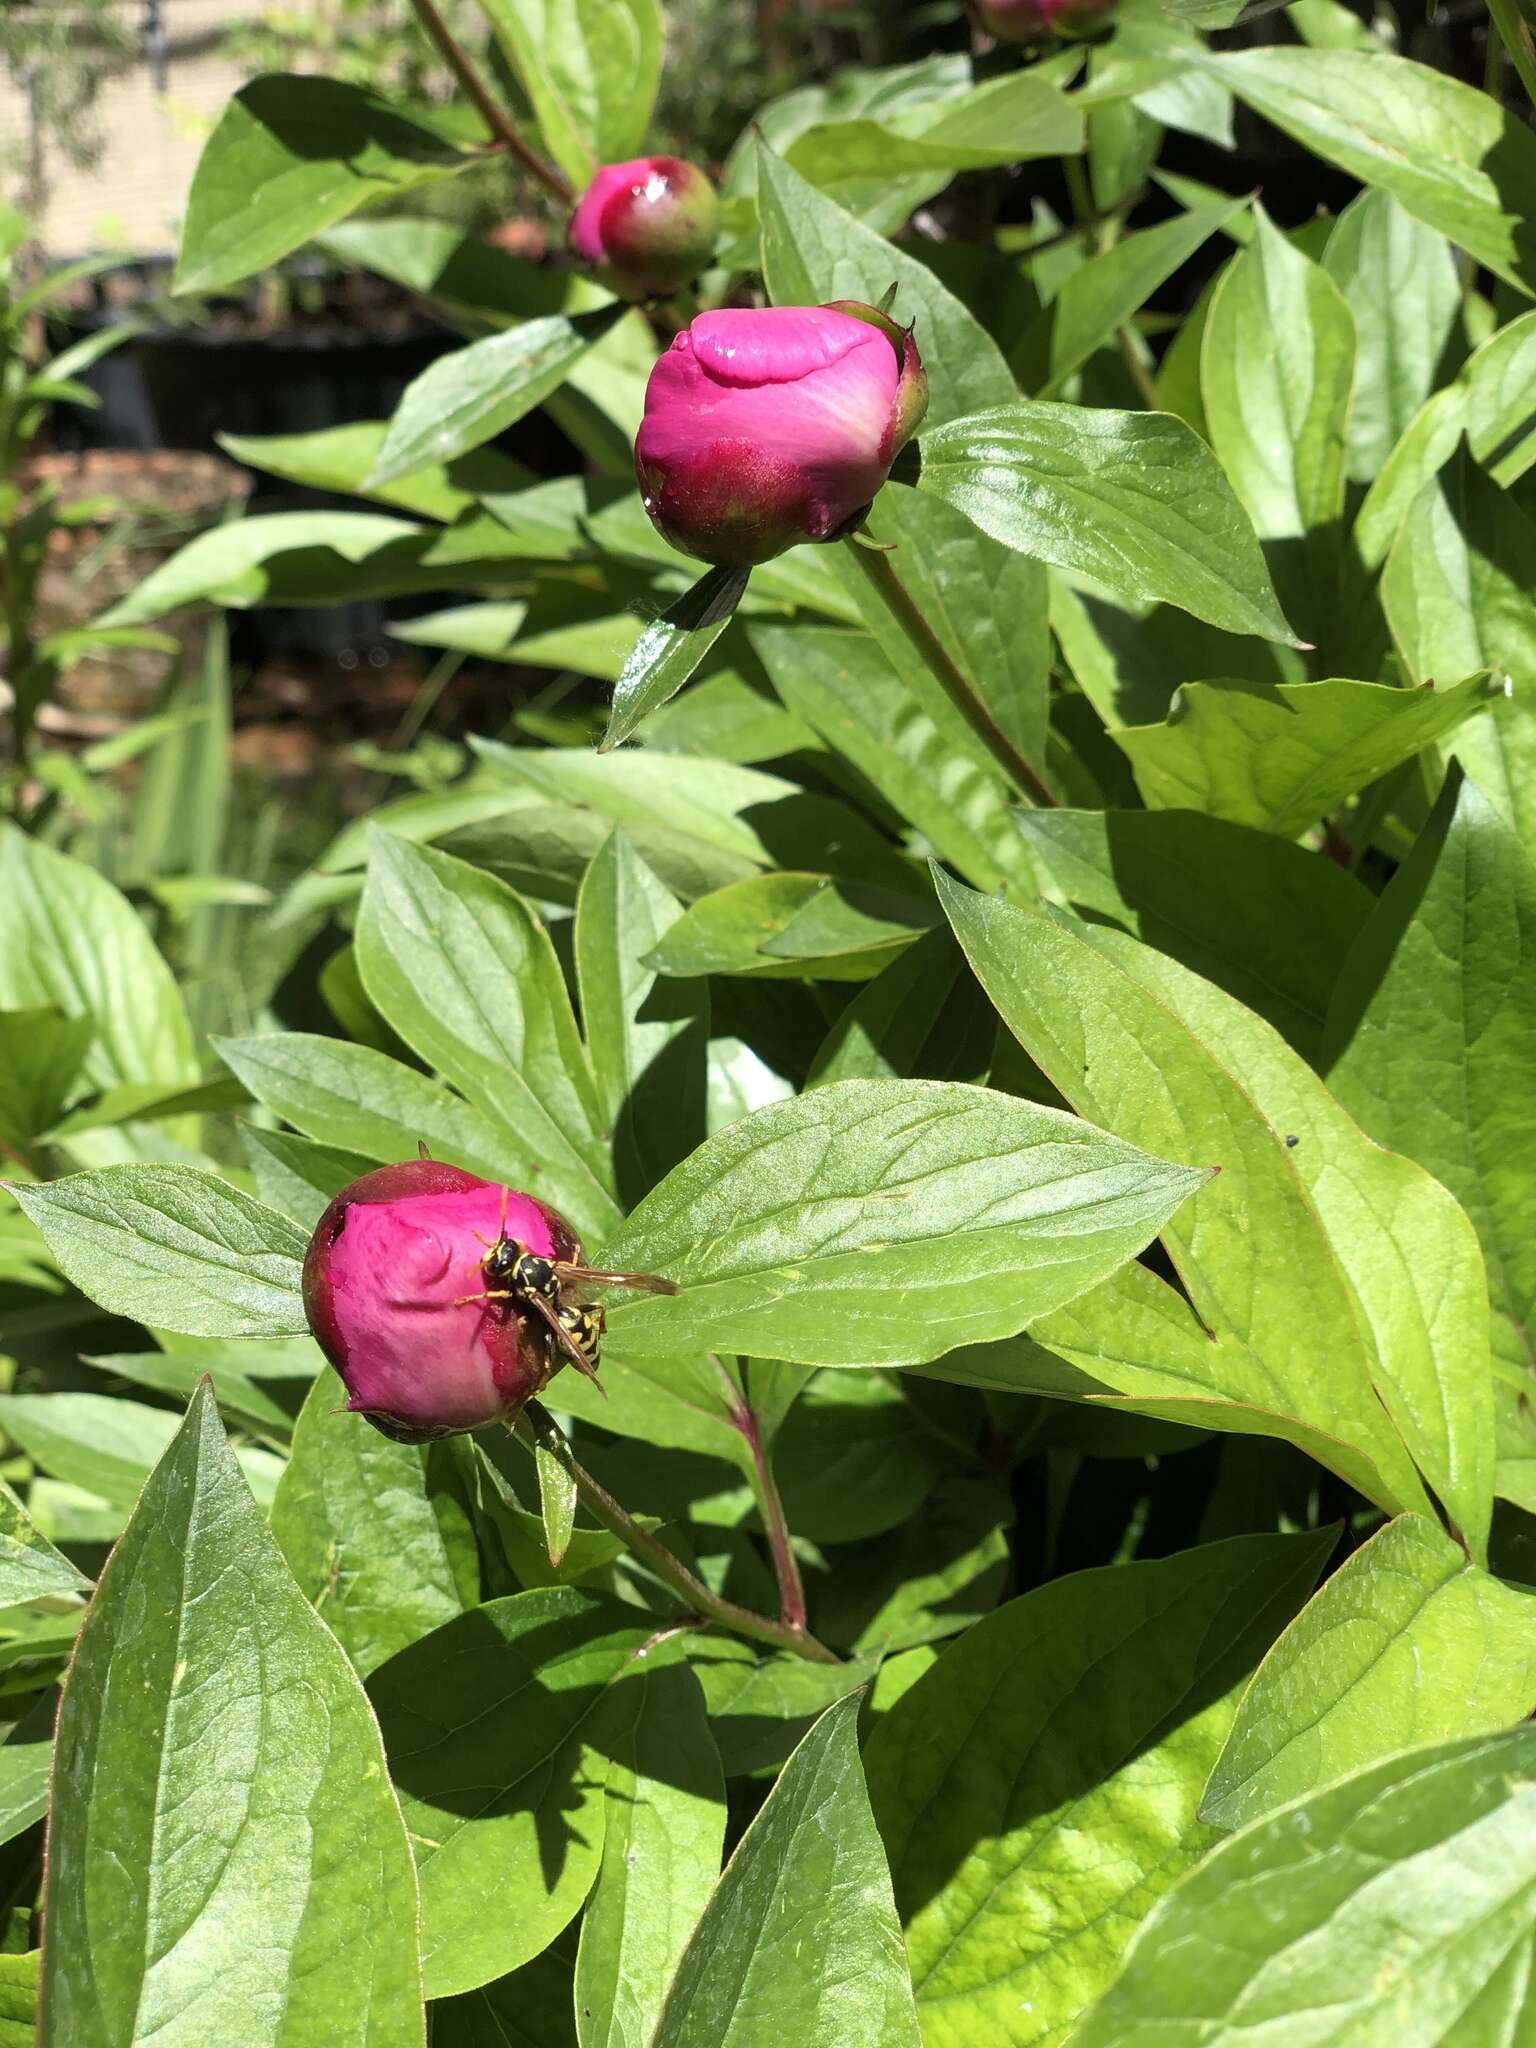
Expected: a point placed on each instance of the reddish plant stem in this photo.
(490, 109)
(537, 1428)
(792, 1610)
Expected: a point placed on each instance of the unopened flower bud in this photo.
(763, 429)
(396, 1296)
(1032, 21)
(647, 227)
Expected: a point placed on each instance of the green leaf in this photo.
(530, 2008)
(1262, 918)
(1432, 1039)
(291, 156)
(756, 1969)
(473, 394)
(671, 648)
(883, 1222)
(557, 1503)
(26, 1767)
(663, 1831)
(465, 972)
(843, 685)
(106, 1445)
(1459, 580)
(1407, 1643)
(1037, 1789)
(814, 253)
(1120, 1054)
(1134, 501)
(18, 1999)
(1281, 756)
(1104, 293)
(1449, 154)
(175, 1247)
(296, 1175)
(509, 1700)
(1399, 281)
(1394, 1907)
(30, 1567)
(922, 1018)
(340, 458)
(239, 1396)
(1277, 369)
(590, 70)
(852, 1459)
(787, 924)
(942, 1570)
(1001, 121)
(372, 1530)
(70, 942)
(987, 603)
(226, 1855)
(646, 1038)
(41, 1052)
(349, 1096)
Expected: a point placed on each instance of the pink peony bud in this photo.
(646, 227)
(389, 1284)
(764, 429)
(1031, 21)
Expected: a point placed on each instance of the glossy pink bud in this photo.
(763, 429)
(1031, 21)
(646, 227)
(389, 1284)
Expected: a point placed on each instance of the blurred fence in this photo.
(151, 120)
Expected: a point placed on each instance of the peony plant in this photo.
(829, 1344)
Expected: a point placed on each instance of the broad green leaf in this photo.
(529, 2008)
(844, 686)
(70, 942)
(1496, 381)
(760, 1708)
(106, 1445)
(671, 648)
(1399, 281)
(241, 1398)
(1037, 1789)
(508, 1700)
(350, 1096)
(1104, 293)
(852, 1459)
(987, 603)
(296, 1175)
(800, 1941)
(469, 397)
(814, 252)
(1133, 501)
(943, 1569)
(340, 458)
(1277, 366)
(922, 1018)
(646, 1038)
(372, 1530)
(1282, 756)
(1452, 156)
(1459, 580)
(226, 1860)
(465, 972)
(1407, 1643)
(26, 1766)
(18, 1999)
(1432, 1039)
(590, 70)
(883, 1222)
(1265, 920)
(1393, 1910)
(475, 282)
(175, 1247)
(1003, 120)
(30, 1567)
(1407, 1250)
(1259, 1327)
(41, 1052)
(787, 924)
(663, 1831)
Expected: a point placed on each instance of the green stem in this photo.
(957, 685)
(491, 111)
(1515, 34)
(538, 1429)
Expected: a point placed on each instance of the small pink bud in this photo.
(394, 1292)
(1032, 21)
(646, 227)
(763, 429)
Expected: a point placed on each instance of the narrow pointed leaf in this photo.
(671, 648)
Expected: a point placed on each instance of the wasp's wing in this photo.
(593, 1276)
(536, 1305)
